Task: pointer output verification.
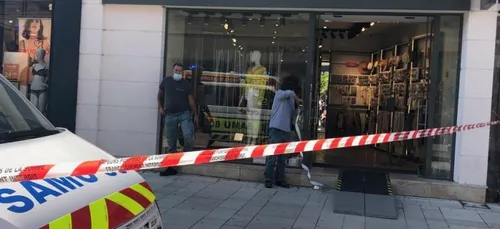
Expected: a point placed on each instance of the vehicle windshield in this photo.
(19, 119)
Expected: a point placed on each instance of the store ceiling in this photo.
(295, 32)
(14, 10)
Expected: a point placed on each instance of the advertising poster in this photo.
(34, 43)
(34, 33)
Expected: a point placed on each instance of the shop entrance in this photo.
(373, 74)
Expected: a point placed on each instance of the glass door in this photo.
(443, 94)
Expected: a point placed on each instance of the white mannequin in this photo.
(39, 86)
(252, 96)
(251, 93)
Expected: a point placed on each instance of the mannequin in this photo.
(39, 86)
(254, 98)
(253, 95)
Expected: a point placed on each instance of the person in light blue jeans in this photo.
(172, 122)
(280, 130)
(177, 105)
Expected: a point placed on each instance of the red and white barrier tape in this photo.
(217, 155)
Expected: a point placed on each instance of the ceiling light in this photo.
(262, 21)
(232, 30)
(50, 7)
(320, 46)
(272, 42)
(372, 24)
(223, 20)
(324, 27)
(234, 44)
(234, 40)
(10, 21)
(363, 29)
(206, 21)
(275, 32)
(226, 26)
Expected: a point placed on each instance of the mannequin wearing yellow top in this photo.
(254, 95)
(255, 76)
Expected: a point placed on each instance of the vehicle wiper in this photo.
(11, 136)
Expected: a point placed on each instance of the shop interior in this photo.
(372, 74)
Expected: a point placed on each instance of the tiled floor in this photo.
(206, 203)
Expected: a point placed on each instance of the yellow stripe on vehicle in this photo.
(99, 214)
(143, 191)
(126, 202)
(62, 223)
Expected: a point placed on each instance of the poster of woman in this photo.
(34, 33)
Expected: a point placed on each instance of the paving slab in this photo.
(352, 203)
(381, 206)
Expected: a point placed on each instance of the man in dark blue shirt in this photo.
(177, 104)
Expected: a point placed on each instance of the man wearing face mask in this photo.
(177, 105)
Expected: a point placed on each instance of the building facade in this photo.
(128, 46)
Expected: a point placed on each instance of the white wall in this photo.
(121, 55)
(474, 102)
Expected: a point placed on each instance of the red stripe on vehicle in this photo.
(146, 185)
(117, 214)
(80, 219)
(139, 198)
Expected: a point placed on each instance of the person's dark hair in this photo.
(26, 29)
(291, 83)
(178, 64)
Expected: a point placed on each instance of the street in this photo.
(203, 202)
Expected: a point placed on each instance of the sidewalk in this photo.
(206, 203)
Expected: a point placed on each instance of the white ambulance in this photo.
(112, 200)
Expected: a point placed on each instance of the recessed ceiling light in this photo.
(324, 27)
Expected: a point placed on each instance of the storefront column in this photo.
(89, 73)
(121, 63)
(474, 97)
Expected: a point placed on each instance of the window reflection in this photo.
(236, 60)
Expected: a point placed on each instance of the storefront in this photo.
(376, 72)
(41, 42)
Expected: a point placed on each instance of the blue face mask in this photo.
(177, 76)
